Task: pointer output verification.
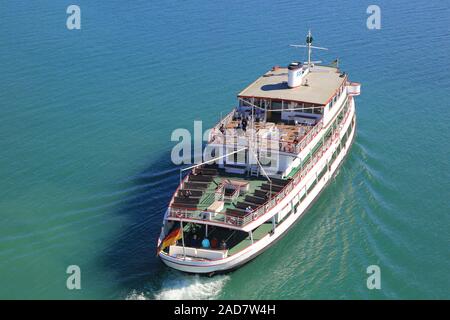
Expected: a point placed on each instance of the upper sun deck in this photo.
(319, 86)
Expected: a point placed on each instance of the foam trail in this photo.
(192, 288)
(180, 287)
(136, 296)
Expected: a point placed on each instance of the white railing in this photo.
(197, 252)
(233, 138)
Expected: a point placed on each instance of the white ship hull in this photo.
(234, 261)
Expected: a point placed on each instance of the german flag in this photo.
(170, 239)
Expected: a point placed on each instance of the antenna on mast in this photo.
(309, 40)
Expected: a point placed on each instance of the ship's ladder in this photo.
(254, 170)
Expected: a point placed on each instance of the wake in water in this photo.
(181, 286)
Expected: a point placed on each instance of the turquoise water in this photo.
(86, 119)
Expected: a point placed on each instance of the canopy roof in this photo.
(323, 83)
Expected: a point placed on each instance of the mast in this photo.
(309, 47)
(309, 40)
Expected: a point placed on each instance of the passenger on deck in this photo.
(214, 243)
(205, 215)
(244, 124)
(205, 243)
(248, 209)
(194, 241)
(223, 245)
(187, 193)
(222, 129)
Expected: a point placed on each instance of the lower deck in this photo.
(220, 238)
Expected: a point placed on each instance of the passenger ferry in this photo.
(271, 157)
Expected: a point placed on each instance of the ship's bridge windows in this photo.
(307, 108)
(245, 102)
(318, 110)
(276, 105)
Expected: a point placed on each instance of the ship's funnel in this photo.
(295, 74)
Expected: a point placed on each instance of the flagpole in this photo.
(182, 239)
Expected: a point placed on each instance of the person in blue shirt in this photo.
(205, 243)
(195, 241)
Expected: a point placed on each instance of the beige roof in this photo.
(323, 83)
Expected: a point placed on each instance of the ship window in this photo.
(316, 148)
(313, 184)
(328, 134)
(318, 111)
(276, 105)
(322, 173)
(295, 206)
(308, 108)
(333, 157)
(303, 197)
